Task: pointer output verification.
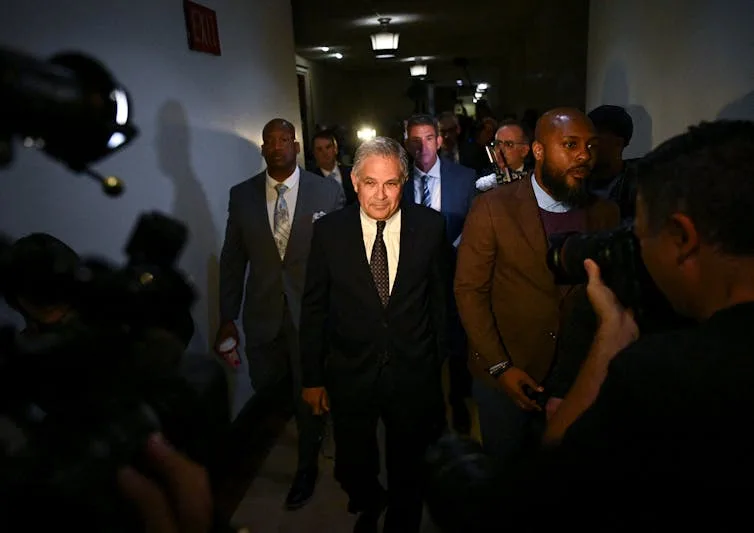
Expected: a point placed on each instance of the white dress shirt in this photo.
(291, 195)
(335, 174)
(392, 237)
(545, 201)
(433, 181)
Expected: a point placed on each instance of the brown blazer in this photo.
(504, 289)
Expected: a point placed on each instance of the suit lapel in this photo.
(408, 236)
(258, 210)
(447, 195)
(357, 257)
(528, 218)
(304, 200)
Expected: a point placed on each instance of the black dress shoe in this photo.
(302, 489)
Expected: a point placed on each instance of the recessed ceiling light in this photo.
(324, 48)
(459, 83)
(338, 55)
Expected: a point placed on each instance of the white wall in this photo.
(672, 62)
(200, 118)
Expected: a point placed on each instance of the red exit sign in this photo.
(201, 26)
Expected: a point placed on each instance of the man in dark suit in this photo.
(269, 232)
(449, 188)
(325, 149)
(373, 327)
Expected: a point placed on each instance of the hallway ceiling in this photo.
(484, 32)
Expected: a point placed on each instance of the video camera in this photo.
(79, 401)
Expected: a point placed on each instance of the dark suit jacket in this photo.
(506, 295)
(249, 244)
(345, 173)
(457, 192)
(346, 335)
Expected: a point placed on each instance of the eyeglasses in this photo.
(508, 144)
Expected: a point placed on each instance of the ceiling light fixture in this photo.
(482, 86)
(338, 55)
(324, 48)
(385, 43)
(366, 133)
(419, 70)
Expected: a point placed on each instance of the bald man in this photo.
(268, 232)
(507, 298)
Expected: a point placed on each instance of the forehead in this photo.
(320, 142)
(570, 127)
(380, 167)
(276, 131)
(421, 130)
(509, 132)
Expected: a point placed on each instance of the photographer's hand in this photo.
(617, 326)
(181, 502)
(617, 329)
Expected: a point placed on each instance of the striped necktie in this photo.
(281, 220)
(426, 194)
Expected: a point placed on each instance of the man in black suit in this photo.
(449, 188)
(325, 149)
(373, 328)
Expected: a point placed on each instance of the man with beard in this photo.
(507, 298)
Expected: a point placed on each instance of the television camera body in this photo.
(80, 400)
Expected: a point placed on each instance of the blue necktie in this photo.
(426, 194)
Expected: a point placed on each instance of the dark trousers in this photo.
(277, 360)
(413, 420)
(508, 432)
(458, 369)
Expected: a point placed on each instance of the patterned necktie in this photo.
(378, 264)
(426, 194)
(281, 220)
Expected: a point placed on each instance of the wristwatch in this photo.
(499, 369)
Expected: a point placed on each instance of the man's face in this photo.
(449, 131)
(609, 148)
(423, 143)
(378, 186)
(325, 152)
(280, 148)
(660, 254)
(511, 142)
(565, 159)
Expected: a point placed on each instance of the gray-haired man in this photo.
(373, 322)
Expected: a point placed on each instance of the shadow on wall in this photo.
(173, 143)
(742, 109)
(615, 91)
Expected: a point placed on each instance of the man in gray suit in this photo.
(269, 232)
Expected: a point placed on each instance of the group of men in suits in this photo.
(360, 309)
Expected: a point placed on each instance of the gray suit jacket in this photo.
(249, 244)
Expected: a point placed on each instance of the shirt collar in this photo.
(434, 172)
(392, 224)
(326, 173)
(290, 182)
(545, 201)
